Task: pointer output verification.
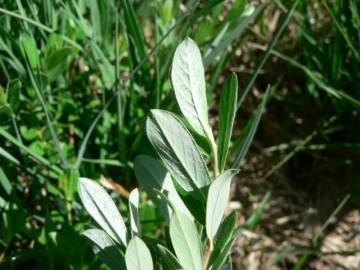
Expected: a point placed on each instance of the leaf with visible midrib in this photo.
(102, 209)
(217, 201)
(153, 176)
(228, 102)
(187, 77)
(138, 256)
(105, 248)
(134, 212)
(186, 242)
(177, 149)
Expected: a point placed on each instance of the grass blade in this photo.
(48, 117)
(41, 26)
(267, 52)
(42, 160)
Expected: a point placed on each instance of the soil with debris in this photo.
(310, 216)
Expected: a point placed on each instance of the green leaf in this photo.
(223, 239)
(134, 212)
(225, 232)
(4, 104)
(220, 256)
(186, 242)
(30, 50)
(8, 156)
(248, 133)
(106, 69)
(168, 260)
(187, 76)
(26, 149)
(56, 62)
(5, 183)
(177, 150)
(137, 256)
(153, 176)
(256, 215)
(228, 102)
(14, 94)
(29, 134)
(225, 41)
(217, 201)
(49, 120)
(105, 248)
(102, 209)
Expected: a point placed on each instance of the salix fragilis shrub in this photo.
(191, 197)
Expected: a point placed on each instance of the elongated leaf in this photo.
(187, 76)
(221, 256)
(31, 51)
(168, 260)
(56, 62)
(153, 176)
(103, 210)
(134, 213)
(177, 150)
(105, 248)
(248, 133)
(186, 242)
(226, 229)
(255, 217)
(217, 201)
(228, 102)
(134, 30)
(8, 156)
(223, 237)
(26, 149)
(106, 69)
(271, 45)
(221, 45)
(49, 119)
(137, 256)
(5, 183)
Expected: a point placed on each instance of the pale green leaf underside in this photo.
(217, 201)
(186, 242)
(137, 256)
(153, 176)
(133, 209)
(102, 209)
(187, 77)
(105, 248)
(177, 149)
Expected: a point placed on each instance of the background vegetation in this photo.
(78, 77)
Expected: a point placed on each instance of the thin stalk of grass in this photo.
(315, 250)
(298, 148)
(48, 116)
(342, 30)
(232, 35)
(267, 52)
(316, 78)
(41, 26)
(328, 221)
(32, 153)
(115, 95)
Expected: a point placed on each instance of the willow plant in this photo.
(191, 197)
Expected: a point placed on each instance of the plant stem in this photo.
(214, 151)
(208, 250)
